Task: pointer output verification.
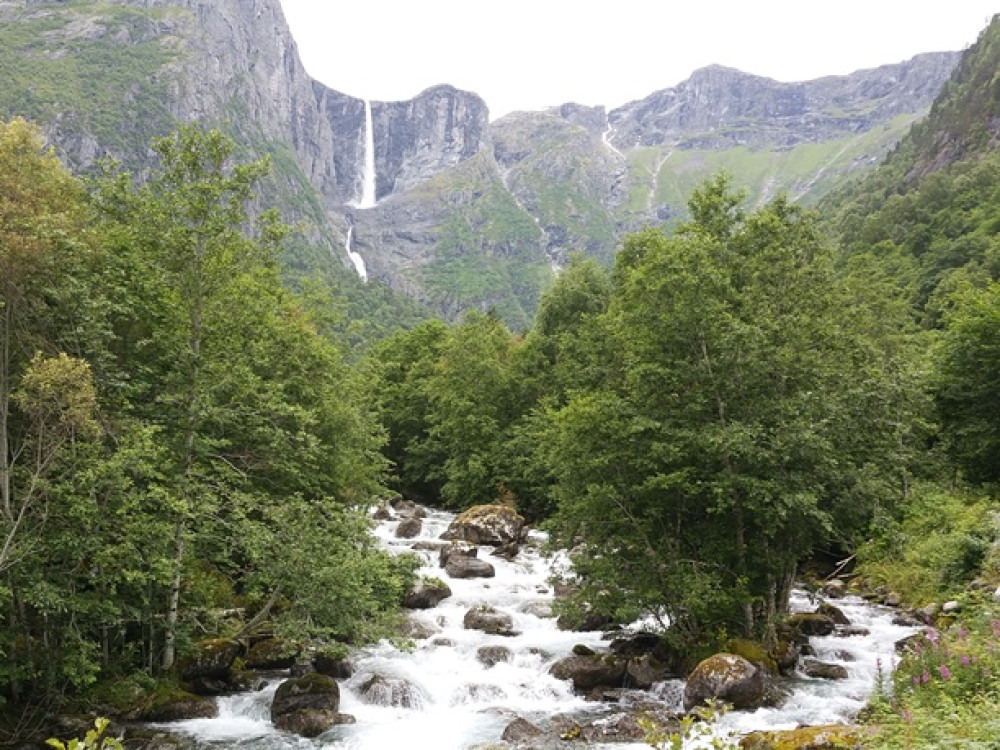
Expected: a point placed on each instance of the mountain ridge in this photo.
(470, 213)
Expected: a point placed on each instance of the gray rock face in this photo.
(719, 106)
(419, 138)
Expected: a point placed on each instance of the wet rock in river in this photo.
(726, 677)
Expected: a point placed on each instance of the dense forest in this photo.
(187, 446)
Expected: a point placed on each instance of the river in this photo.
(446, 698)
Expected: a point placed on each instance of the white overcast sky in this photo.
(533, 54)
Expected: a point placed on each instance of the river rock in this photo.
(212, 658)
(426, 593)
(848, 631)
(382, 513)
(834, 613)
(494, 525)
(460, 566)
(725, 677)
(589, 672)
(419, 628)
(489, 620)
(333, 666)
(176, 705)
(635, 644)
(409, 527)
(308, 705)
(823, 670)
(490, 656)
(456, 549)
(951, 607)
(273, 653)
(645, 670)
(811, 624)
(835, 588)
(398, 692)
(520, 730)
(838, 737)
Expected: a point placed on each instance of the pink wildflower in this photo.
(906, 715)
(965, 661)
(925, 677)
(945, 672)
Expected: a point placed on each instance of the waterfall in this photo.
(368, 197)
(458, 688)
(356, 259)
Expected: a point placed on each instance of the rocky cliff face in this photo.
(719, 107)
(417, 139)
(469, 213)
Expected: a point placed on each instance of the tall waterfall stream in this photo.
(453, 701)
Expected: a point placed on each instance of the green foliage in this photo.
(944, 691)
(968, 382)
(745, 407)
(107, 83)
(933, 549)
(95, 739)
(699, 728)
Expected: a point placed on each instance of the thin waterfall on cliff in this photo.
(356, 259)
(368, 198)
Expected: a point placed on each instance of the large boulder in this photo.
(308, 705)
(589, 672)
(495, 525)
(426, 593)
(175, 705)
(811, 624)
(212, 659)
(489, 620)
(824, 670)
(837, 737)
(409, 527)
(646, 670)
(273, 653)
(460, 566)
(725, 677)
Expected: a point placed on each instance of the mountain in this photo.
(929, 212)
(468, 213)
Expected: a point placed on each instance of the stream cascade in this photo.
(442, 695)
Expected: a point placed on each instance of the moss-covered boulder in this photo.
(725, 677)
(212, 659)
(273, 653)
(838, 737)
(834, 612)
(308, 705)
(811, 624)
(495, 525)
(754, 653)
(175, 705)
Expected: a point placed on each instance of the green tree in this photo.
(967, 388)
(742, 400)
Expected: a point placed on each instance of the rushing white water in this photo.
(368, 197)
(440, 695)
(356, 259)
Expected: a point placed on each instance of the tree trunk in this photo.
(173, 605)
(6, 502)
